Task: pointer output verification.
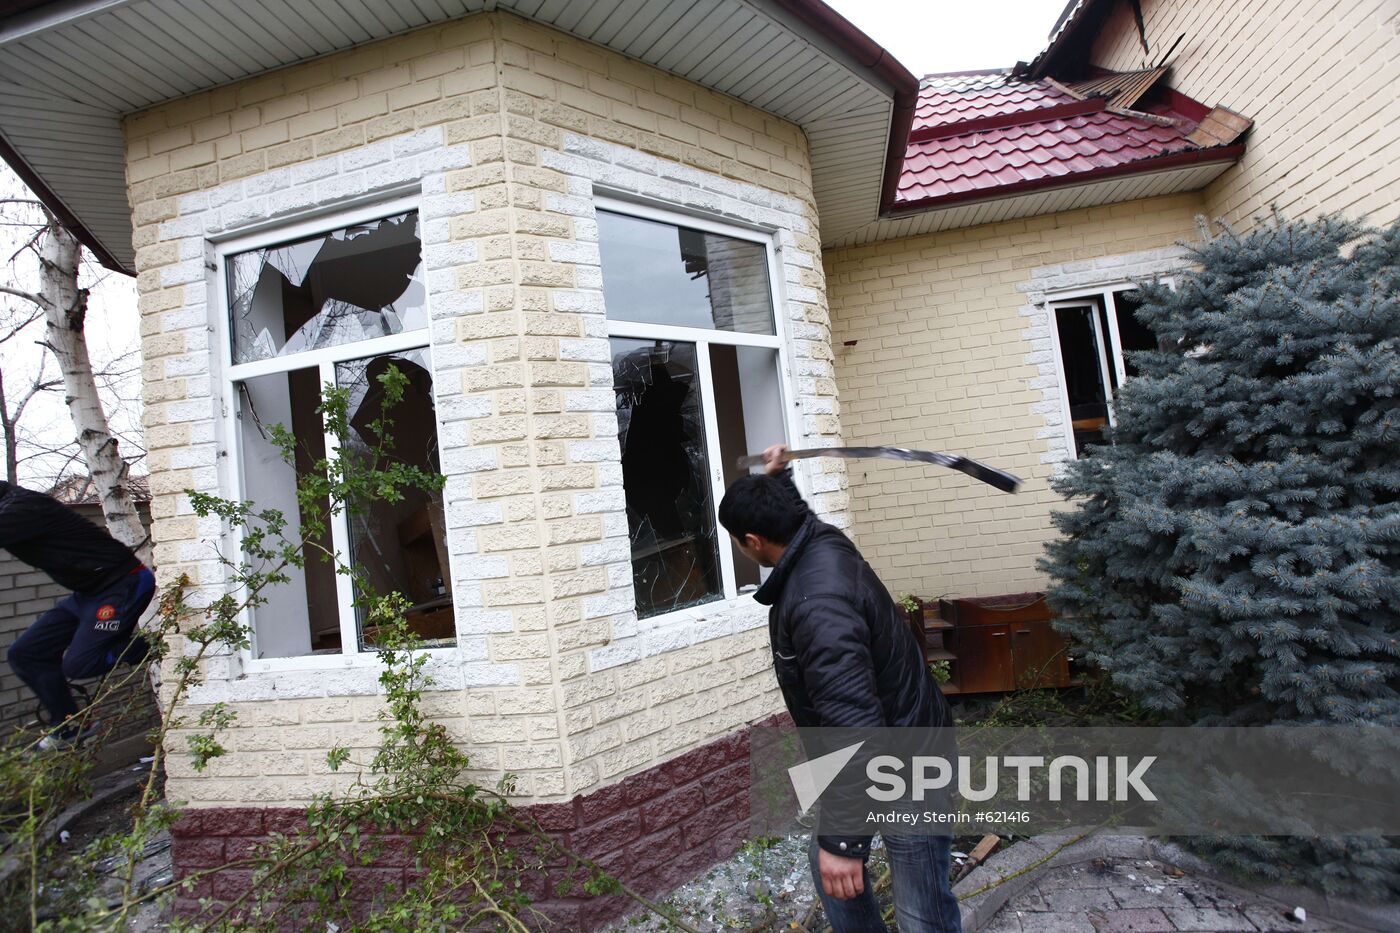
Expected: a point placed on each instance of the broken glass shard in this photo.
(354, 283)
(398, 545)
(665, 472)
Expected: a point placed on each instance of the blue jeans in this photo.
(84, 635)
(923, 897)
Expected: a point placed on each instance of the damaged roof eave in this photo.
(1068, 193)
(90, 99)
(1217, 155)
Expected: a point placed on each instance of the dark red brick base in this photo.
(653, 831)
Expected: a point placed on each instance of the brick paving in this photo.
(1126, 895)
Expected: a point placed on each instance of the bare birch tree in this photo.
(63, 303)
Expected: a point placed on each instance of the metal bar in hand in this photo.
(1002, 480)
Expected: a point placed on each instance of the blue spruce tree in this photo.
(1233, 552)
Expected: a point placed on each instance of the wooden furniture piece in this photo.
(423, 539)
(930, 631)
(1002, 643)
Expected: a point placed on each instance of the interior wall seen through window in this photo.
(299, 616)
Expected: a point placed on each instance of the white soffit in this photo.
(70, 70)
(1031, 204)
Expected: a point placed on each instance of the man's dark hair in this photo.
(762, 505)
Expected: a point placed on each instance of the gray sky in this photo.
(929, 36)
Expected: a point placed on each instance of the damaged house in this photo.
(614, 245)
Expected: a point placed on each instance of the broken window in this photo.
(399, 546)
(1092, 335)
(354, 283)
(696, 372)
(354, 297)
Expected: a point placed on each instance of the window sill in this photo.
(334, 662)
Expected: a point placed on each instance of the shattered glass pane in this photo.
(399, 546)
(354, 283)
(665, 472)
(658, 273)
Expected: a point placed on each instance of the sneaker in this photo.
(57, 742)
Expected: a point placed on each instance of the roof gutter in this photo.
(60, 210)
(1141, 167)
(883, 69)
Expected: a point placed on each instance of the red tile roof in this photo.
(988, 135)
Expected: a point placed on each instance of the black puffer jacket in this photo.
(843, 655)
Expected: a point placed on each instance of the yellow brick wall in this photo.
(1320, 78)
(512, 92)
(932, 353)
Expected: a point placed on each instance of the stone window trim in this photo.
(389, 176)
(325, 361)
(608, 176)
(1054, 286)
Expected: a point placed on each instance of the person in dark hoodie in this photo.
(843, 658)
(88, 633)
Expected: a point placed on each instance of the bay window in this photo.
(338, 308)
(697, 363)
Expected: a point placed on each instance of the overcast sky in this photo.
(930, 36)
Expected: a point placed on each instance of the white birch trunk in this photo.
(65, 310)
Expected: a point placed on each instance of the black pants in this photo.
(84, 635)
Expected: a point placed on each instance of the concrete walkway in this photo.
(1110, 895)
(1120, 883)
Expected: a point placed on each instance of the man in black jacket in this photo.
(85, 634)
(843, 658)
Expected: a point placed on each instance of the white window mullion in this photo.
(716, 463)
(1061, 381)
(636, 330)
(340, 543)
(1101, 346)
(1112, 308)
(376, 346)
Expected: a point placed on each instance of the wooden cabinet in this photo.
(1004, 643)
(983, 658)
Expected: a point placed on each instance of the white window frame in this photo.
(1078, 297)
(703, 338)
(324, 361)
